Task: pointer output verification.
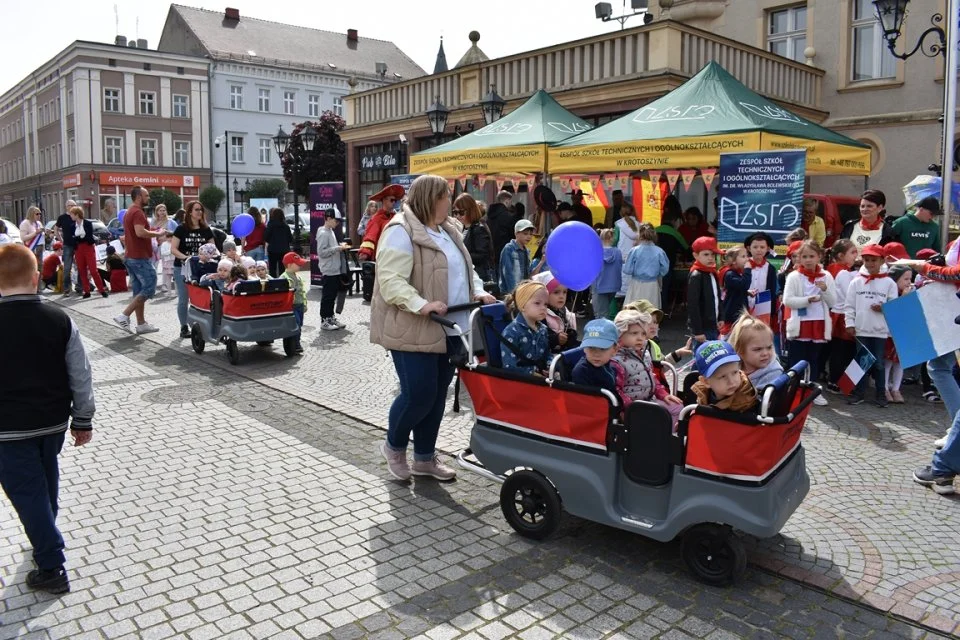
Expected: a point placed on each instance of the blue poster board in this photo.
(761, 191)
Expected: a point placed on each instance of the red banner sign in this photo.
(148, 180)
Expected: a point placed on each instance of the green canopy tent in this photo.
(514, 144)
(690, 126)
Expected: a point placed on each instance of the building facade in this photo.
(265, 75)
(98, 119)
(890, 104)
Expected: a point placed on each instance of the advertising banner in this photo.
(405, 180)
(324, 196)
(265, 203)
(760, 191)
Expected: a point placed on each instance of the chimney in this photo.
(132, 44)
(141, 43)
(121, 41)
(352, 35)
(232, 14)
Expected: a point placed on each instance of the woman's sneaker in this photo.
(433, 468)
(146, 327)
(184, 331)
(337, 322)
(329, 325)
(396, 462)
(941, 483)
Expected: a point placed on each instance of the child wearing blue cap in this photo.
(600, 338)
(722, 384)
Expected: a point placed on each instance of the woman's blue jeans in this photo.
(424, 380)
(947, 460)
(941, 373)
(257, 254)
(182, 298)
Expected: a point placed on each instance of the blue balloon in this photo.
(242, 225)
(120, 215)
(575, 255)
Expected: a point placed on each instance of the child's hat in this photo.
(705, 243)
(291, 257)
(926, 254)
(714, 354)
(247, 262)
(208, 250)
(57, 246)
(794, 247)
(600, 333)
(895, 250)
(874, 250)
(522, 225)
(897, 270)
(546, 279)
(261, 263)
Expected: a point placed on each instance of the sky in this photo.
(35, 31)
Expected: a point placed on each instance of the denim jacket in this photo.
(532, 344)
(514, 266)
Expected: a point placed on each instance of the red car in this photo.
(836, 211)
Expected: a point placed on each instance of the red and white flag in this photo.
(708, 175)
(672, 177)
(857, 368)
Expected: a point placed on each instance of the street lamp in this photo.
(437, 115)
(492, 106)
(604, 12)
(283, 143)
(226, 164)
(891, 15)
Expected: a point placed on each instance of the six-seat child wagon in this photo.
(256, 311)
(556, 446)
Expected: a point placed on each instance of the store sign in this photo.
(72, 180)
(383, 160)
(148, 180)
(760, 191)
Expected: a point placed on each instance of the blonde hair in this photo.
(606, 235)
(76, 211)
(628, 317)
(33, 211)
(745, 328)
(731, 254)
(423, 196)
(646, 233)
(796, 234)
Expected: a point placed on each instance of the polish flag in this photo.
(857, 368)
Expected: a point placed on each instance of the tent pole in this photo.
(949, 118)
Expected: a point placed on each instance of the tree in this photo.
(327, 161)
(268, 188)
(212, 197)
(172, 201)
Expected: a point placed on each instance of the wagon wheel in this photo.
(714, 554)
(233, 352)
(196, 338)
(530, 504)
(290, 346)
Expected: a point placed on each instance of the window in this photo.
(289, 103)
(180, 107)
(147, 66)
(266, 144)
(111, 100)
(148, 103)
(236, 148)
(338, 106)
(263, 100)
(313, 106)
(236, 96)
(787, 32)
(871, 58)
(181, 153)
(113, 150)
(148, 152)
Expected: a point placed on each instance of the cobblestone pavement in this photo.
(250, 491)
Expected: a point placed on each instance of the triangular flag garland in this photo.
(655, 176)
(708, 175)
(463, 182)
(452, 183)
(564, 183)
(687, 175)
(481, 180)
(672, 177)
(623, 180)
(500, 182)
(610, 180)
(594, 182)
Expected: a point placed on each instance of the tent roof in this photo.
(712, 102)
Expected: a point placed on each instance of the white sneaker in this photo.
(146, 327)
(820, 401)
(940, 443)
(329, 325)
(339, 324)
(123, 321)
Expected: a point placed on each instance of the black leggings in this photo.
(275, 264)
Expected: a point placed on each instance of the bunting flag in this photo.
(500, 182)
(481, 180)
(708, 175)
(610, 181)
(651, 211)
(687, 175)
(463, 182)
(452, 183)
(564, 183)
(594, 182)
(623, 179)
(655, 175)
(672, 176)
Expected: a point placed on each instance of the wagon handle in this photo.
(468, 306)
(436, 317)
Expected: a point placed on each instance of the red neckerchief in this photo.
(758, 265)
(836, 268)
(812, 277)
(722, 272)
(867, 277)
(712, 270)
(871, 227)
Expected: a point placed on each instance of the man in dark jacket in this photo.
(501, 220)
(51, 389)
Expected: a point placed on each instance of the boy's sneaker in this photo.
(49, 580)
(185, 331)
(942, 484)
(396, 462)
(820, 401)
(931, 396)
(433, 468)
(123, 321)
(855, 399)
(832, 388)
(329, 325)
(881, 400)
(146, 327)
(337, 322)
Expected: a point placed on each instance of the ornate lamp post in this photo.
(437, 115)
(891, 14)
(492, 106)
(283, 143)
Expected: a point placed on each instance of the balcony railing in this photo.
(658, 48)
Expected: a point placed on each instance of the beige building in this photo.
(96, 120)
(870, 95)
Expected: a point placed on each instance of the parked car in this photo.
(13, 231)
(304, 221)
(836, 211)
(115, 228)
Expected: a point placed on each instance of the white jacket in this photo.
(859, 317)
(842, 283)
(795, 298)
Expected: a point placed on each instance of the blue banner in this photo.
(404, 180)
(761, 191)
